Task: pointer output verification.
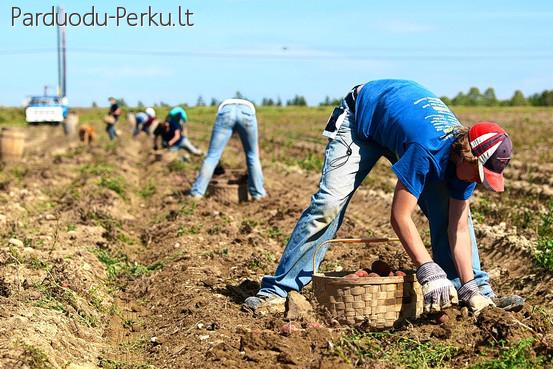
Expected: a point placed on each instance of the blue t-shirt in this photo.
(417, 127)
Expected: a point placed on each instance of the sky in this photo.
(279, 48)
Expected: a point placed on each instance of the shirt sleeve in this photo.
(413, 168)
(458, 190)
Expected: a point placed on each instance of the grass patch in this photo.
(544, 250)
(148, 191)
(177, 165)
(35, 358)
(97, 169)
(516, 356)
(115, 184)
(116, 364)
(361, 348)
(120, 269)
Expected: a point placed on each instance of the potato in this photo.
(288, 328)
(399, 273)
(391, 274)
(373, 275)
(361, 273)
(381, 268)
(314, 325)
(351, 276)
(441, 318)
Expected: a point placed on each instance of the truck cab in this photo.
(50, 109)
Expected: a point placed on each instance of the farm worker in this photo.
(144, 121)
(233, 115)
(113, 117)
(437, 162)
(172, 133)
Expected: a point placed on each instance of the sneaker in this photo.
(264, 304)
(509, 303)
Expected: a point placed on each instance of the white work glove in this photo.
(470, 295)
(439, 293)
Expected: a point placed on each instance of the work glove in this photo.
(438, 291)
(470, 295)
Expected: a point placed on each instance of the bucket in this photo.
(12, 143)
(379, 302)
(70, 124)
(231, 188)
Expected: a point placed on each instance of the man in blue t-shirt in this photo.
(173, 134)
(437, 162)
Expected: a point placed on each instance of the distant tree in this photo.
(163, 104)
(446, 100)
(460, 99)
(213, 102)
(518, 99)
(140, 105)
(267, 102)
(542, 99)
(297, 101)
(94, 104)
(200, 101)
(489, 97)
(278, 102)
(122, 102)
(329, 102)
(238, 95)
(474, 97)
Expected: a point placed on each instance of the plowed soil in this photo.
(104, 262)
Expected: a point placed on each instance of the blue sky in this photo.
(282, 47)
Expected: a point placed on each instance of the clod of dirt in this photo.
(4, 289)
(381, 268)
(297, 306)
(15, 242)
(499, 324)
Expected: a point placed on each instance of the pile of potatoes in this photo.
(378, 268)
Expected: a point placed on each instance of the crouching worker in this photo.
(112, 118)
(144, 121)
(233, 115)
(438, 163)
(172, 132)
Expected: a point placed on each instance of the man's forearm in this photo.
(460, 244)
(409, 236)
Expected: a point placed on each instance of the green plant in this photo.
(35, 357)
(362, 347)
(119, 268)
(275, 232)
(115, 184)
(148, 191)
(177, 166)
(514, 357)
(544, 249)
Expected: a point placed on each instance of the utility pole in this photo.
(62, 66)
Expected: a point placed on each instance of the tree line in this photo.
(472, 98)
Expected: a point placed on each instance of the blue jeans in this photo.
(341, 176)
(184, 143)
(112, 133)
(240, 118)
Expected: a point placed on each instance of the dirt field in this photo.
(105, 263)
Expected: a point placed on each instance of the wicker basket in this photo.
(232, 188)
(382, 302)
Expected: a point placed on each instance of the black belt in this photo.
(350, 99)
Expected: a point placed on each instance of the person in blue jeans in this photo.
(173, 134)
(233, 115)
(437, 162)
(113, 117)
(144, 120)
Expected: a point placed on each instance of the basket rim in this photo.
(363, 280)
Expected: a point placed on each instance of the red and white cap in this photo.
(493, 148)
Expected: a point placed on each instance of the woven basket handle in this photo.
(366, 241)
